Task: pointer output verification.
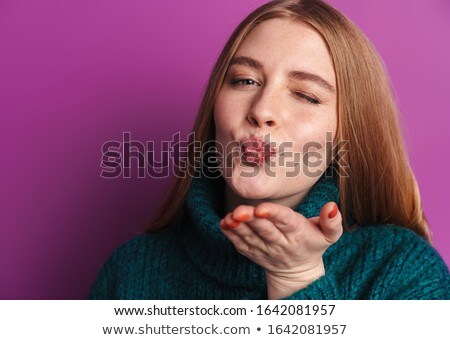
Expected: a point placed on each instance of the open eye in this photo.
(243, 82)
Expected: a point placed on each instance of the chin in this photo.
(250, 187)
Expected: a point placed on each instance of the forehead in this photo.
(282, 43)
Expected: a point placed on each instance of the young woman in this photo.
(318, 202)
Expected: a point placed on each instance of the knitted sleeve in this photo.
(324, 288)
(390, 264)
(414, 271)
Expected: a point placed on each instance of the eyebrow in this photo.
(297, 75)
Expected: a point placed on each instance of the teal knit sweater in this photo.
(194, 260)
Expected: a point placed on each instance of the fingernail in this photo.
(222, 225)
(233, 224)
(333, 212)
(243, 218)
(264, 214)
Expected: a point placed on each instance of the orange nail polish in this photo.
(243, 218)
(233, 224)
(333, 212)
(264, 214)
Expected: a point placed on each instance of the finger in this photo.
(234, 238)
(243, 231)
(227, 223)
(223, 226)
(243, 213)
(267, 231)
(242, 236)
(230, 222)
(283, 217)
(264, 228)
(330, 222)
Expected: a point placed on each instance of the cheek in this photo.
(227, 112)
(314, 134)
(219, 111)
(219, 120)
(223, 123)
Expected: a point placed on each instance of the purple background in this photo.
(75, 74)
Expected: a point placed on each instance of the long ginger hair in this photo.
(378, 186)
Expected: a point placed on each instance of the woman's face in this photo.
(281, 87)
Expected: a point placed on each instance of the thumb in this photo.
(330, 222)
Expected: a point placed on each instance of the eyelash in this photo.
(314, 101)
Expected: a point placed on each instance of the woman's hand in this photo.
(285, 243)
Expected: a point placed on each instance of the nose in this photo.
(263, 111)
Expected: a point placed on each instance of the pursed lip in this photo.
(257, 148)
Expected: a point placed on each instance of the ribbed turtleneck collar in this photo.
(211, 251)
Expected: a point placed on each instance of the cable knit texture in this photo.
(194, 260)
